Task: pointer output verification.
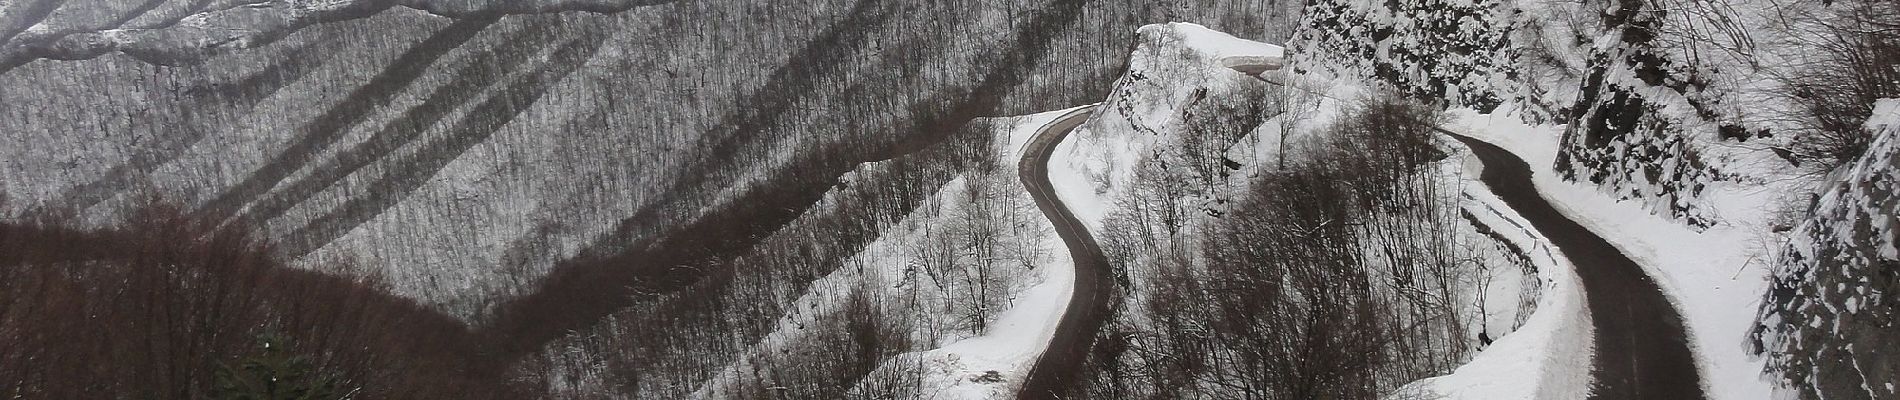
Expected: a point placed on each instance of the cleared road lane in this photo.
(1059, 367)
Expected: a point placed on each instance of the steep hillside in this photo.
(962, 199)
(553, 174)
(1727, 119)
(411, 122)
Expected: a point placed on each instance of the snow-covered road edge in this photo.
(1546, 358)
(1021, 333)
(1712, 277)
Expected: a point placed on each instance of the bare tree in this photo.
(1845, 58)
(1332, 278)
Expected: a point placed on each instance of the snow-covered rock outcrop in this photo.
(1633, 127)
(1643, 107)
(1828, 326)
(1457, 51)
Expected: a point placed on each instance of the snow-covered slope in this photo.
(631, 195)
(1659, 102)
(1694, 136)
(992, 363)
(695, 163)
(980, 235)
(1177, 143)
(1452, 50)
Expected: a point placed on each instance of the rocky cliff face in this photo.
(1628, 131)
(1828, 325)
(1630, 148)
(1211, 183)
(1457, 52)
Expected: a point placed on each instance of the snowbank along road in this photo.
(1642, 351)
(1055, 371)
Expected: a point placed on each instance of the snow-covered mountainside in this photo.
(977, 283)
(554, 174)
(175, 32)
(469, 199)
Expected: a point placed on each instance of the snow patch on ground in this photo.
(1084, 180)
(1886, 115)
(1230, 51)
(1217, 43)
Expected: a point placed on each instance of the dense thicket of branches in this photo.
(1846, 59)
(666, 344)
(155, 306)
(1332, 278)
(835, 355)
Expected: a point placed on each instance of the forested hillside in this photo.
(1259, 199)
(532, 173)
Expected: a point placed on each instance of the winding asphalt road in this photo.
(1642, 351)
(1056, 371)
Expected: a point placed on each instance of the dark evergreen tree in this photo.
(275, 373)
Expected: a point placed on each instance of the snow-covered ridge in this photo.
(1232, 52)
(1098, 162)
